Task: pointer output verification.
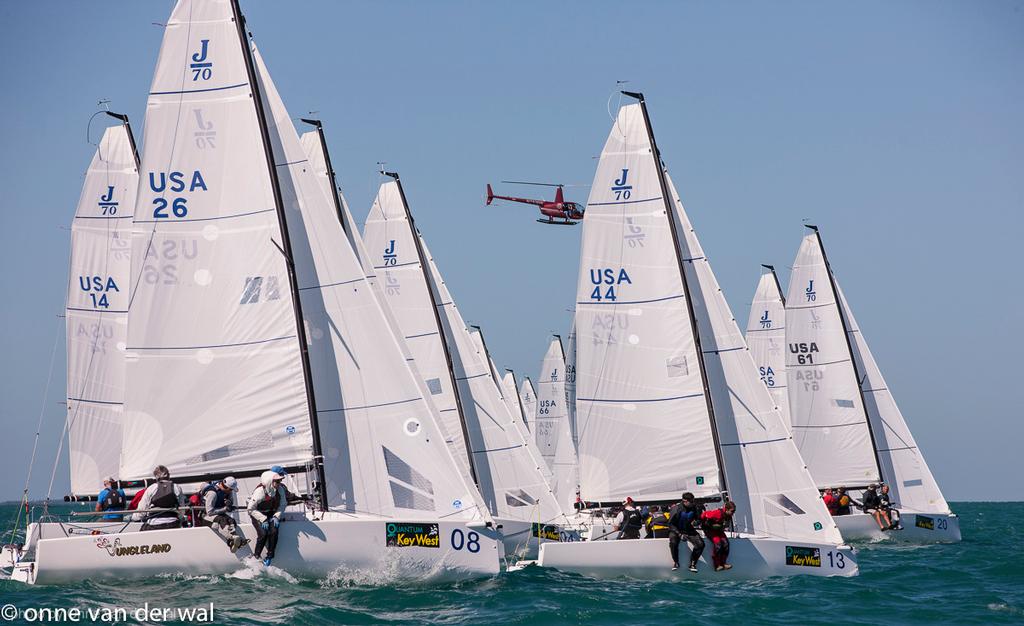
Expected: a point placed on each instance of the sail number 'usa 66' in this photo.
(175, 182)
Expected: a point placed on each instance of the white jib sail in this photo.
(642, 417)
(766, 477)
(766, 337)
(551, 407)
(528, 396)
(827, 416)
(97, 311)
(214, 373)
(903, 464)
(383, 449)
(510, 391)
(507, 463)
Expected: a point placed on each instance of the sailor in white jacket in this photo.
(266, 510)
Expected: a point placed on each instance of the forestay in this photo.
(643, 424)
(215, 379)
(903, 464)
(529, 399)
(384, 452)
(767, 478)
(96, 313)
(766, 337)
(828, 420)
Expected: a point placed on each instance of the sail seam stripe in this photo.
(72, 308)
(623, 202)
(798, 366)
(291, 163)
(422, 335)
(168, 93)
(692, 395)
(223, 345)
(485, 450)
(384, 267)
(95, 401)
(471, 377)
(344, 282)
(368, 406)
(103, 217)
(897, 449)
(765, 330)
(750, 443)
(874, 390)
(724, 350)
(810, 306)
(639, 301)
(832, 425)
(203, 219)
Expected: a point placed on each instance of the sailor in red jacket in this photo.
(714, 523)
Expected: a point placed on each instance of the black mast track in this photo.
(131, 137)
(330, 170)
(286, 247)
(686, 287)
(440, 327)
(778, 285)
(849, 347)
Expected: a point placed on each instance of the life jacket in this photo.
(831, 504)
(220, 496)
(658, 521)
(687, 516)
(164, 498)
(843, 506)
(870, 499)
(114, 500)
(632, 522)
(269, 504)
(716, 522)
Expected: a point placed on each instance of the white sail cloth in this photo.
(828, 420)
(903, 464)
(510, 391)
(214, 372)
(551, 402)
(528, 396)
(96, 313)
(766, 477)
(766, 337)
(642, 417)
(383, 450)
(570, 384)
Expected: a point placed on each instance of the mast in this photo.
(778, 286)
(286, 249)
(669, 211)
(128, 128)
(437, 319)
(849, 346)
(330, 170)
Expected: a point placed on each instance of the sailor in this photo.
(111, 498)
(682, 521)
(629, 521)
(218, 500)
(872, 503)
(657, 523)
(842, 502)
(888, 507)
(831, 501)
(283, 473)
(715, 523)
(163, 494)
(266, 510)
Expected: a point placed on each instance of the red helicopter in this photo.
(557, 212)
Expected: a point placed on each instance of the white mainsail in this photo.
(827, 414)
(96, 313)
(215, 379)
(528, 396)
(642, 416)
(903, 464)
(766, 476)
(766, 337)
(384, 452)
(551, 401)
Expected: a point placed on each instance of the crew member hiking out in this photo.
(715, 523)
(682, 521)
(218, 499)
(111, 499)
(872, 503)
(163, 495)
(266, 509)
(629, 521)
(657, 523)
(886, 505)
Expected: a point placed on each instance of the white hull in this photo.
(338, 545)
(917, 528)
(520, 538)
(750, 556)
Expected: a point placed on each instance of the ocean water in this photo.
(978, 581)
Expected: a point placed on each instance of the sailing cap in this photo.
(280, 471)
(230, 483)
(628, 500)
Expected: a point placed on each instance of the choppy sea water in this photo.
(979, 581)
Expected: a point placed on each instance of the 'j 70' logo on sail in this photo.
(201, 68)
(107, 203)
(205, 134)
(765, 322)
(390, 256)
(621, 190)
(811, 294)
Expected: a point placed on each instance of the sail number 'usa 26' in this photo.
(175, 182)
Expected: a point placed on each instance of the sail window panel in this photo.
(405, 498)
(256, 442)
(400, 470)
(518, 497)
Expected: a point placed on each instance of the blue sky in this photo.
(896, 127)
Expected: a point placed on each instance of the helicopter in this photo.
(556, 212)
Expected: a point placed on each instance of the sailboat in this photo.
(766, 338)
(667, 397)
(254, 339)
(501, 458)
(844, 417)
(552, 421)
(528, 396)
